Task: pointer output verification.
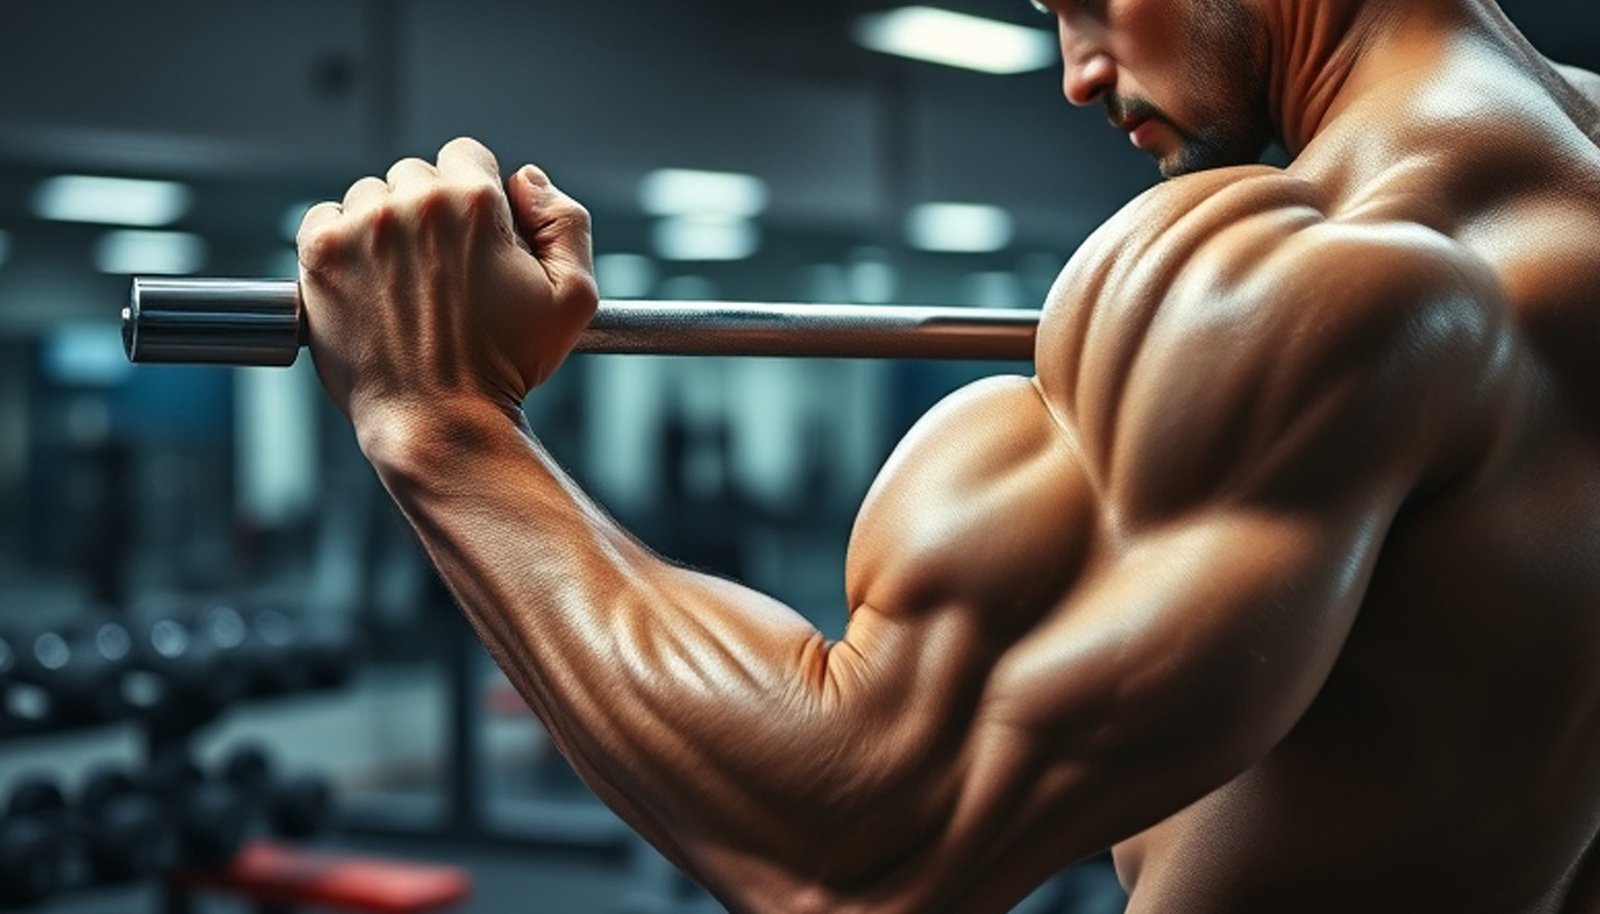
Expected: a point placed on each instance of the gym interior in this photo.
(229, 678)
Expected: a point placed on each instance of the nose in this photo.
(1089, 71)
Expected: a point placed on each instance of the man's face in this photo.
(1187, 79)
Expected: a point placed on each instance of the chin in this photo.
(1176, 166)
(1203, 156)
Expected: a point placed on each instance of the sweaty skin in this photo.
(1280, 576)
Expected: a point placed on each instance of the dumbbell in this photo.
(23, 707)
(198, 676)
(127, 833)
(318, 655)
(210, 816)
(32, 849)
(262, 646)
(85, 671)
(296, 807)
(139, 691)
(277, 642)
(287, 655)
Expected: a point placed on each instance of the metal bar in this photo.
(258, 322)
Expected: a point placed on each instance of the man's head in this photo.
(1188, 79)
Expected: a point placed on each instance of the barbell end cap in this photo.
(213, 322)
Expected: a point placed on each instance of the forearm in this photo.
(711, 717)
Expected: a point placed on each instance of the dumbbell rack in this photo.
(166, 735)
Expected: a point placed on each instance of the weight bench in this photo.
(279, 878)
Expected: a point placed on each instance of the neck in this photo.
(1326, 54)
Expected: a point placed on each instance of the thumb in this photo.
(555, 228)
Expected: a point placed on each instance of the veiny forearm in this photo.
(721, 724)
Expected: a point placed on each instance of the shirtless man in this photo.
(1282, 576)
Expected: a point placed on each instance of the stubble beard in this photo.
(1238, 131)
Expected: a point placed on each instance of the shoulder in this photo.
(1216, 321)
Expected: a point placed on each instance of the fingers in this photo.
(466, 171)
(365, 194)
(410, 175)
(556, 227)
(317, 217)
(466, 161)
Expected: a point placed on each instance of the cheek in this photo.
(1154, 26)
(1155, 52)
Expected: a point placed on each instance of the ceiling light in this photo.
(958, 228)
(131, 251)
(681, 192)
(111, 201)
(957, 40)
(705, 238)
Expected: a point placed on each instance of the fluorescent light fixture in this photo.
(111, 201)
(682, 192)
(5, 247)
(957, 40)
(289, 222)
(706, 238)
(958, 228)
(130, 251)
(625, 275)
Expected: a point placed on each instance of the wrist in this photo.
(416, 439)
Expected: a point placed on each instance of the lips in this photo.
(1139, 132)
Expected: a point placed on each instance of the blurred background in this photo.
(214, 627)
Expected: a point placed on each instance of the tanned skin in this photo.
(1282, 575)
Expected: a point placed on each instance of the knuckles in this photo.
(480, 201)
(320, 248)
(437, 208)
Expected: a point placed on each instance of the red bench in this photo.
(283, 877)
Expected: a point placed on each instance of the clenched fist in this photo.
(438, 286)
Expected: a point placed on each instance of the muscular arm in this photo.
(1079, 602)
